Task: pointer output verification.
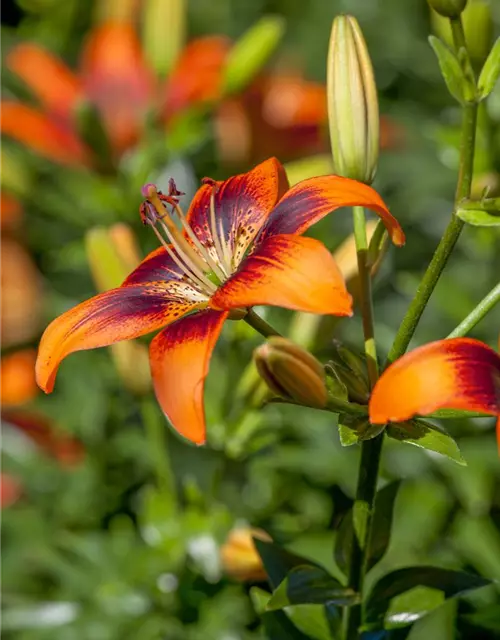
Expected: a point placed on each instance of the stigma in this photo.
(205, 266)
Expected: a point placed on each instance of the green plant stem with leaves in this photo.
(477, 314)
(260, 325)
(371, 449)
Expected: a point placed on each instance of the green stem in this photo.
(477, 314)
(371, 450)
(157, 439)
(447, 243)
(260, 325)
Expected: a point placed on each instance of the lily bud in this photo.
(352, 103)
(112, 254)
(239, 558)
(448, 8)
(478, 28)
(350, 369)
(291, 372)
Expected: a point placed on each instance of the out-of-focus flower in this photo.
(460, 373)
(291, 372)
(352, 102)
(10, 211)
(204, 271)
(17, 383)
(21, 303)
(66, 449)
(10, 490)
(239, 558)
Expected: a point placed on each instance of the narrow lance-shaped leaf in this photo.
(309, 584)
(479, 217)
(278, 561)
(276, 623)
(450, 583)
(382, 522)
(450, 68)
(426, 435)
(490, 72)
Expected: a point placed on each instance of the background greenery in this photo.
(97, 549)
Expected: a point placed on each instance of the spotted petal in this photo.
(310, 200)
(38, 132)
(117, 80)
(118, 314)
(460, 373)
(51, 81)
(180, 357)
(242, 205)
(287, 271)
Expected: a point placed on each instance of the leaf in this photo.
(336, 388)
(343, 543)
(278, 561)
(381, 611)
(487, 617)
(311, 585)
(318, 623)
(355, 429)
(426, 435)
(479, 217)
(251, 52)
(277, 624)
(490, 72)
(450, 68)
(382, 522)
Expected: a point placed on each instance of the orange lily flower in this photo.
(240, 246)
(115, 78)
(460, 373)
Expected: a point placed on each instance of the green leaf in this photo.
(486, 617)
(251, 52)
(318, 623)
(382, 611)
(490, 72)
(343, 543)
(382, 522)
(336, 388)
(450, 68)
(309, 584)
(426, 435)
(278, 561)
(355, 429)
(479, 217)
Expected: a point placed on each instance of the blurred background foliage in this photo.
(112, 527)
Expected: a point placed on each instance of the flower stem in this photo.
(477, 314)
(455, 226)
(157, 440)
(370, 449)
(260, 325)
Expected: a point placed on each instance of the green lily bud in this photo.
(350, 368)
(478, 28)
(448, 8)
(291, 372)
(161, 50)
(352, 103)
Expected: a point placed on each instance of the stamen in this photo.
(215, 235)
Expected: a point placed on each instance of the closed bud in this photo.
(239, 557)
(291, 372)
(352, 103)
(448, 8)
(478, 27)
(350, 369)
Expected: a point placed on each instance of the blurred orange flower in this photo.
(10, 490)
(17, 383)
(239, 557)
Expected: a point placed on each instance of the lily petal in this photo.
(51, 81)
(180, 357)
(242, 205)
(156, 266)
(460, 373)
(40, 133)
(287, 271)
(196, 78)
(310, 200)
(117, 80)
(118, 314)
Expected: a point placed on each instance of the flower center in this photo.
(206, 267)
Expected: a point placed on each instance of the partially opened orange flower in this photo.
(240, 246)
(460, 373)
